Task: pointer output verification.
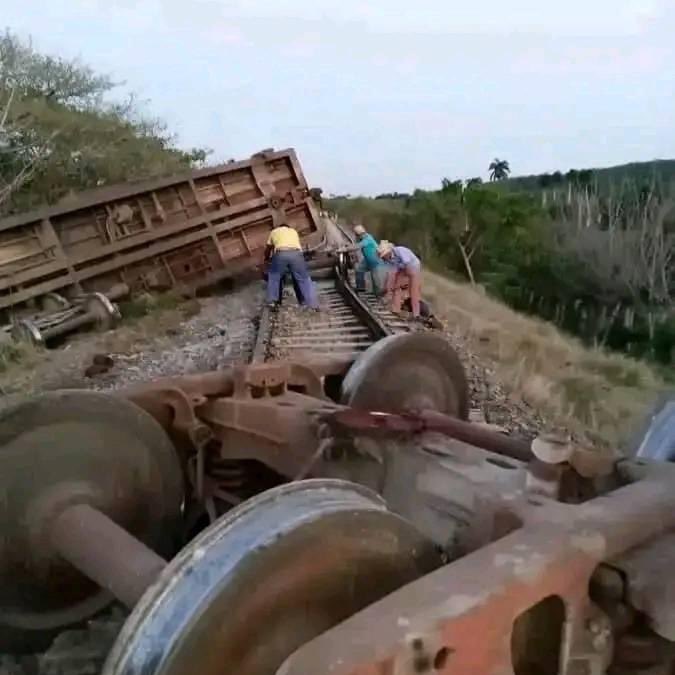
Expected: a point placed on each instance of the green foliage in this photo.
(379, 215)
(39, 76)
(393, 195)
(58, 133)
(604, 180)
(602, 268)
(499, 169)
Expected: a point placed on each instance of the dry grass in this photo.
(13, 355)
(147, 303)
(591, 392)
(146, 322)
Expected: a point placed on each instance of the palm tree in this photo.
(499, 169)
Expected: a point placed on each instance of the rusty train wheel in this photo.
(69, 447)
(408, 372)
(267, 577)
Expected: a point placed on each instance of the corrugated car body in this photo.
(182, 231)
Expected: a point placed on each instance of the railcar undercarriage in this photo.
(373, 531)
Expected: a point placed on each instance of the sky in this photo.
(380, 96)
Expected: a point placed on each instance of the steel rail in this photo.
(347, 324)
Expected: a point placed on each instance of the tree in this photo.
(59, 135)
(600, 264)
(36, 75)
(439, 225)
(454, 186)
(585, 178)
(499, 169)
(14, 170)
(545, 179)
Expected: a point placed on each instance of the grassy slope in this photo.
(594, 394)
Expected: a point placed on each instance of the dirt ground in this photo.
(196, 336)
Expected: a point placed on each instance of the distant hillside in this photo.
(637, 172)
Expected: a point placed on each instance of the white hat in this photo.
(384, 248)
(359, 229)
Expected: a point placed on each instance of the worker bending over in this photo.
(284, 252)
(370, 261)
(407, 271)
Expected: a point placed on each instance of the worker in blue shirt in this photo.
(370, 261)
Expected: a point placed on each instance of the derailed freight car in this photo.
(59, 265)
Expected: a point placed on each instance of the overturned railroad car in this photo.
(185, 232)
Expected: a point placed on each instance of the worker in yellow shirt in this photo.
(284, 252)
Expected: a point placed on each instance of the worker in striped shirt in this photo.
(406, 271)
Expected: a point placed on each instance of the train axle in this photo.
(545, 548)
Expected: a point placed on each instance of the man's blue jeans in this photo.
(361, 270)
(293, 262)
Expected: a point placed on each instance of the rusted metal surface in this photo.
(278, 414)
(104, 552)
(221, 422)
(463, 614)
(557, 557)
(288, 397)
(360, 421)
(286, 566)
(649, 585)
(179, 232)
(408, 372)
(522, 561)
(67, 448)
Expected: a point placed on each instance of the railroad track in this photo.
(346, 325)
